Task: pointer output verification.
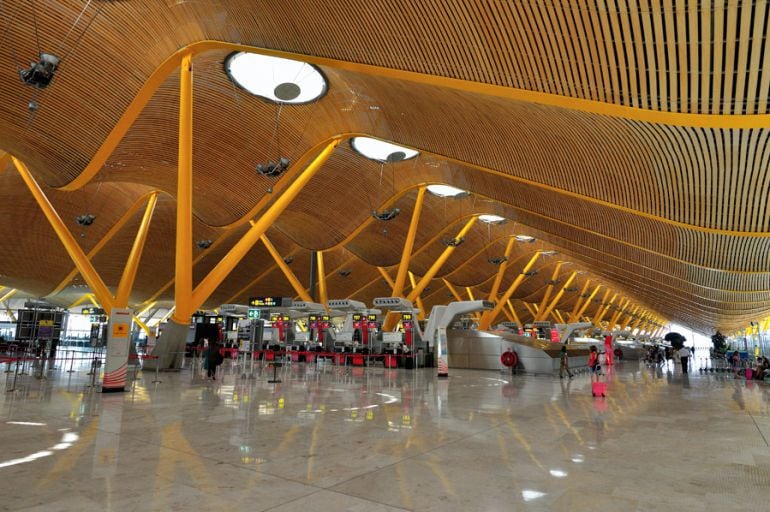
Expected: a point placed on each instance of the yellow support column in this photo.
(489, 316)
(433, 270)
(544, 313)
(8, 295)
(549, 288)
(183, 281)
(579, 301)
(75, 252)
(406, 254)
(298, 288)
(532, 308)
(386, 277)
(218, 274)
(132, 264)
(323, 295)
(628, 320)
(78, 302)
(616, 316)
(452, 290)
(501, 271)
(514, 314)
(417, 299)
(586, 304)
(558, 316)
(603, 311)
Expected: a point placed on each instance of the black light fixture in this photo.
(497, 260)
(288, 260)
(273, 169)
(453, 242)
(203, 244)
(570, 290)
(40, 73)
(85, 220)
(344, 273)
(552, 281)
(530, 273)
(387, 214)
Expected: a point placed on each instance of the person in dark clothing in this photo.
(211, 359)
(564, 363)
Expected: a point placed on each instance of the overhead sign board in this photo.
(92, 311)
(270, 302)
(253, 314)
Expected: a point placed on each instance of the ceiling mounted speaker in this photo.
(273, 169)
(385, 215)
(203, 244)
(453, 242)
(288, 260)
(497, 260)
(40, 73)
(85, 220)
(345, 273)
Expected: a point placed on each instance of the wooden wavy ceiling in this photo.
(672, 214)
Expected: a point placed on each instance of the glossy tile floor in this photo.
(330, 438)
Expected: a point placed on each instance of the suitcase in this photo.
(749, 373)
(599, 388)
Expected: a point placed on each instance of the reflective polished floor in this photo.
(331, 438)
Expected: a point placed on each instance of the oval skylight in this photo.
(491, 219)
(525, 238)
(446, 191)
(382, 151)
(276, 79)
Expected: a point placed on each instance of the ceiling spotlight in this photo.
(85, 220)
(387, 214)
(203, 244)
(453, 242)
(525, 239)
(497, 260)
(273, 169)
(344, 273)
(288, 260)
(40, 73)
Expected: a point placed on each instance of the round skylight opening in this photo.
(525, 238)
(446, 191)
(491, 219)
(276, 79)
(381, 150)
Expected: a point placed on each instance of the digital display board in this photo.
(372, 318)
(357, 317)
(325, 318)
(270, 302)
(92, 311)
(313, 318)
(253, 314)
(406, 316)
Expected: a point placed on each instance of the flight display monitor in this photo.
(406, 316)
(371, 318)
(92, 311)
(270, 302)
(325, 318)
(357, 317)
(313, 318)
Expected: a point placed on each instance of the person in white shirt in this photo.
(684, 356)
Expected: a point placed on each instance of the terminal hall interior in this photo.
(355, 255)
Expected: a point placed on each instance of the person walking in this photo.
(211, 359)
(564, 364)
(684, 357)
(593, 363)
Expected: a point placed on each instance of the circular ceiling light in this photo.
(525, 238)
(382, 151)
(276, 79)
(491, 219)
(446, 191)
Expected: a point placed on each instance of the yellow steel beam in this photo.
(586, 304)
(78, 302)
(579, 301)
(132, 264)
(489, 316)
(142, 325)
(287, 272)
(558, 316)
(417, 299)
(597, 320)
(323, 295)
(145, 308)
(75, 252)
(115, 229)
(386, 277)
(210, 283)
(514, 314)
(616, 316)
(549, 288)
(9, 294)
(433, 270)
(508, 315)
(167, 67)
(452, 290)
(8, 309)
(406, 253)
(183, 278)
(544, 313)
(630, 317)
(501, 271)
(531, 309)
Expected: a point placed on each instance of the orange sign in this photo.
(120, 330)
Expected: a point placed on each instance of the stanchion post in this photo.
(157, 369)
